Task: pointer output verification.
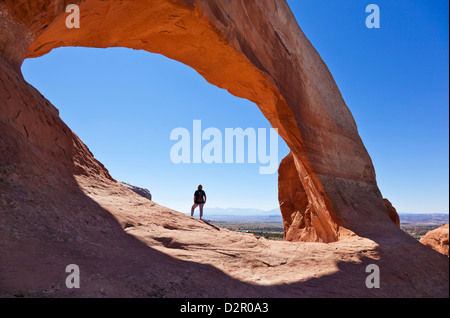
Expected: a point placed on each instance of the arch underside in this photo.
(255, 50)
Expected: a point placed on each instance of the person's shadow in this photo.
(211, 225)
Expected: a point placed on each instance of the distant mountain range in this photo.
(274, 216)
(423, 218)
(242, 215)
(240, 211)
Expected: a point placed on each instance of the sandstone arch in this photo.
(255, 50)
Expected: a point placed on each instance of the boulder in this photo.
(437, 239)
(141, 191)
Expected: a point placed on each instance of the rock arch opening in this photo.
(257, 51)
(124, 104)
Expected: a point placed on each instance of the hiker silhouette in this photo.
(199, 200)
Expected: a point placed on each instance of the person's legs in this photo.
(193, 208)
(201, 210)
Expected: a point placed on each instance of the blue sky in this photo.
(124, 104)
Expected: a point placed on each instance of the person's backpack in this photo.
(199, 196)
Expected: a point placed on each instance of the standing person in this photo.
(199, 200)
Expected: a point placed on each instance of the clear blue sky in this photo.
(124, 104)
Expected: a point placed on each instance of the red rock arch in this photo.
(255, 50)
